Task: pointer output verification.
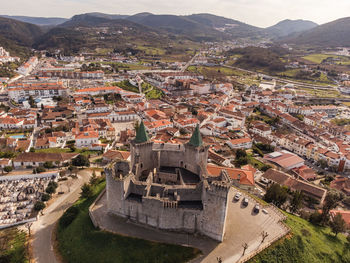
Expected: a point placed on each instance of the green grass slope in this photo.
(308, 243)
(81, 242)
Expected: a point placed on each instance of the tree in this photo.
(39, 205)
(297, 202)
(264, 235)
(45, 197)
(86, 191)
(48, 165)
(72, 148)
(50, 189)
(338, 224)
(240, 153)
(276, 194)
(31, 102)
(330, 202)
(315, 218)
(245, 247)
(93, 179)
(32, 149)
(81, 160)
(8, 169)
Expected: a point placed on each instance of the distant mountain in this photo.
(109, 16)
(179, 25)
(19, 32)
(230, 26)
(40, 21)
(85, 20)
(287, 27)
(89, 32)
(332, 34)
(17, 37)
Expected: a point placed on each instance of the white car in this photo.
(237, 196)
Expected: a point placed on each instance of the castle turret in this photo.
(196, 153)
(141, 134)
(196, 139)
(142, 157)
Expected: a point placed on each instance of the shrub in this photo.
(86, 191)
(68, 216)
(39, 169)
(39, 205)
(48, 165)
(45, 197)
(50, 189)
(8, 169)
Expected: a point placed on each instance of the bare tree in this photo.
(28, 226)
(264, 235)
(245, 247)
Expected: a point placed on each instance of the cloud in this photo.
(256, 12)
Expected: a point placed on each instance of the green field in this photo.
(81, 242)
(220, 69)
(13, 246)
(318, 58)
(66, 150)
(308, 243)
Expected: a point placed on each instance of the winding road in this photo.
(42, 229)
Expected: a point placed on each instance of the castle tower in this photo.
(142, 159)
(196, 153)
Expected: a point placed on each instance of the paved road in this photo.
(42, 229)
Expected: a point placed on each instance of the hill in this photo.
(40, 21)
(17, 37)
(90, 32)
(287, 27)
(332, 34)
(179, 25)
(232, 27)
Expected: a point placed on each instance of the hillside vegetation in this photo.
(308, 243)
(333, 34)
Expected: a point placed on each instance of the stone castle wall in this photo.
(153, 212)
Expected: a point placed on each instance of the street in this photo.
(42, 245)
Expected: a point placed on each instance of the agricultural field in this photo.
(318, 58)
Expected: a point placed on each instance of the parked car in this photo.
(256, 208)
(237, 196)
(245, 201)
(265, 211)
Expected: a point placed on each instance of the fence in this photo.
(18, 223)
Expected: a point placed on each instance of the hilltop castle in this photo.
(167, 186)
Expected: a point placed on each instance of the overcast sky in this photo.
(260, 13)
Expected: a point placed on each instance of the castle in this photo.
(167, 186)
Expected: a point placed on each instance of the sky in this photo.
(260, 13)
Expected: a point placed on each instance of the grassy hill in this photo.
(308, 243)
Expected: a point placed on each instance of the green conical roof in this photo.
(196, 139)
(141, 134)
